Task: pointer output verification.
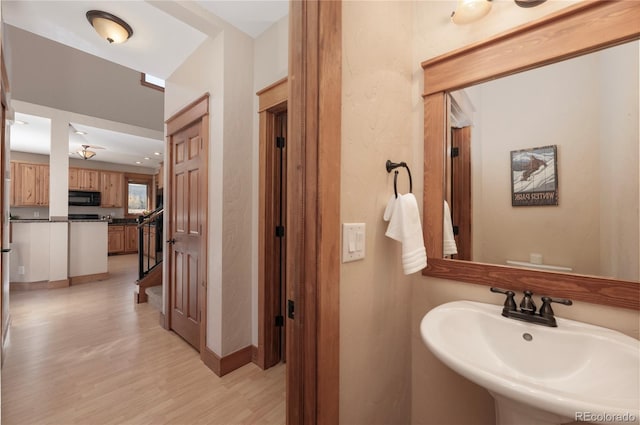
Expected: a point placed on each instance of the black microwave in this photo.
(84, 198)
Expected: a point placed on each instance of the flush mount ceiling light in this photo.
(470, 10)
(109, 27)
(85, 153)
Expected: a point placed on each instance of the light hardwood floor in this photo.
(88, 355)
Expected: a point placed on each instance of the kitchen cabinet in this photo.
(116, 239)
(131, 238)
(123, 238)
(31, 184)
(149, 239)
(112, 188)
(84, 179)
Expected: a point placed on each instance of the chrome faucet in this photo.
(527, 312)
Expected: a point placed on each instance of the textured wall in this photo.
(237, 227)
(375, 295)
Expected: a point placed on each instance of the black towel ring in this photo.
(391, 166)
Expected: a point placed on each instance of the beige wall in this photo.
(375, 295)
(223, 67)
(619, 135)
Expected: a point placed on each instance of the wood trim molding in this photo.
(162, 321)
(570, 32)
(227, 364)
(190, 113)
(313, 213)
(43, 284)
(273, 95)
(76, 280)
(579, 29)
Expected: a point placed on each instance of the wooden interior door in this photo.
(186, 253)
(461, 188)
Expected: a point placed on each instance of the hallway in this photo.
(88, 355)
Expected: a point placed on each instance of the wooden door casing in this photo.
(461, 188)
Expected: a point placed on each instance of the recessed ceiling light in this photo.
(147, 158)
(82, 133)
(157, 153)
(20, 122)
(138, 162)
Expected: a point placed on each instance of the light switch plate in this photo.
(353, 241)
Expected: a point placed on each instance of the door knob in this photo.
(171, 241)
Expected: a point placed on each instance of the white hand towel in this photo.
(448, 241)
(404, 226)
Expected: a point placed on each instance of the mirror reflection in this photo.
(587, 109)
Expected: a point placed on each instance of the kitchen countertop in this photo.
(46, 220)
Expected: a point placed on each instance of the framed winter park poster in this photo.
(534, 176)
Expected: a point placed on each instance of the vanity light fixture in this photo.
(109, 27)
(469, 11)
(529, 3)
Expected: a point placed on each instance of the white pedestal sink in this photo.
(539, 375)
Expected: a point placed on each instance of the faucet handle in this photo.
(546, 310)
(509, 302)
(527, 305)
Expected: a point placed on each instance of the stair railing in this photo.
(150, 237)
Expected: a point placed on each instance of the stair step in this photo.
(154, 295)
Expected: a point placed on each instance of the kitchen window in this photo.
(138, 194)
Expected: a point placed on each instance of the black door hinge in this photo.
(455, 152)
(279, 231)
(456, 230)
(280, 142)
(279, 321)
(290, 309)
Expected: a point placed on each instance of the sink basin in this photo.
(536, 374)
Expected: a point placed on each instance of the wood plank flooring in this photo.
(88, 355)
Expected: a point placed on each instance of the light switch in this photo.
(353, 241)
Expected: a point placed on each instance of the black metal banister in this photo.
(153, 223)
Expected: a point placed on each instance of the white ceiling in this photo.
(109, 146)
(160, 43)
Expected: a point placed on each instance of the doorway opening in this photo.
(272, 232)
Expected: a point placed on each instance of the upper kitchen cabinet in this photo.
(84, 179)
(112, 188)
(31, 184)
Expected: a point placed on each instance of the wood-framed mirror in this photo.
(577, 30)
